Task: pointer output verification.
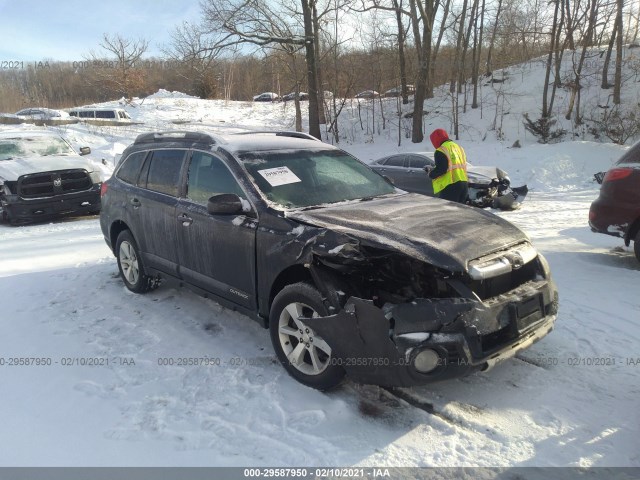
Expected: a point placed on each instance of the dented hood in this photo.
(445, 234)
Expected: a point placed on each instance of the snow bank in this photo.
(162, 93)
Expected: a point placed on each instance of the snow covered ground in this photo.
(570, 400)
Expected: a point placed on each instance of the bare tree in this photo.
(197, 53)
(260, 23)
(123, 76)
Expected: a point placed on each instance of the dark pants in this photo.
(456, 192)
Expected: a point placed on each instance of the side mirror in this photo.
(224, 204)
(85, 150)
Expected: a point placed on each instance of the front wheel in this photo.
(304, 354)
(130, 264)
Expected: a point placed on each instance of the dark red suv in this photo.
(617, 210)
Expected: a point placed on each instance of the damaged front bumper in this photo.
(429, 340)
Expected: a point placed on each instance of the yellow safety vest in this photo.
(457, 171)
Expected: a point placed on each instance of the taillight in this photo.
(617, 174)
(103, 189)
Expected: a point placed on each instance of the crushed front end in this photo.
(403, 322)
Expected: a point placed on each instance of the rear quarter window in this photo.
(130, 168)
(631, 156)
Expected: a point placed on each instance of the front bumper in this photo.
(22, 210)
(379, 347)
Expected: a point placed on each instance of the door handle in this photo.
(185, 219)
(135, 202)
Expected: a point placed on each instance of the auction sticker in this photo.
(279, 176)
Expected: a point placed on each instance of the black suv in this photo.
(349, 274)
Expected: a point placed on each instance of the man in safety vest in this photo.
(449, 176)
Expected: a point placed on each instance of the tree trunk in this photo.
(421, 87)
(316, 43)
(467, 38)
(312, 76)
(427, 14)
(457, 61)
(607, 59)
(489, 67)
(434, 55)
(476, 62)
(401, 58)
(578, 71)
(617, 82)
(547, 74)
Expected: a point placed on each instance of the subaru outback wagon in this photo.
(351, 276)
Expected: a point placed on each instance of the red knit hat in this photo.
(438, 137)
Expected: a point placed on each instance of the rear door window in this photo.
(395, 161)
(130, 168)
(164, 171)
(416, 161)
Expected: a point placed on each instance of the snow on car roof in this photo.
(266, 141)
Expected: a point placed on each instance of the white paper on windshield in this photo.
(279, 176)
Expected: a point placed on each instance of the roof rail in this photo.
(283, 133)
(175, 136)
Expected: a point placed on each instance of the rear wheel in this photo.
(636, 245)
(304, 354)
(130, 264)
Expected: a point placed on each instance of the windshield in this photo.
(33, 146)
(294, 179)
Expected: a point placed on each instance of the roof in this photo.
(269, 141)
(235, 143)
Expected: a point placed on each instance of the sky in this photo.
(37, 30)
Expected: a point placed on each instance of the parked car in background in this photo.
(41, 113)
(368, 94)
(292, 96)
(397, 91)
(616, 211)
(101, 114)
(350, 275)
(266, 97)
(41, 177)
(488, 186)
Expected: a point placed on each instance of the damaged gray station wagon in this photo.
(350, 275)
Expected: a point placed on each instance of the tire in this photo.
(130, 264)
(287, 328)
(636, 245)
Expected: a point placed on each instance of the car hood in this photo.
(444, 234)
(481, 174)
(12, 169)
